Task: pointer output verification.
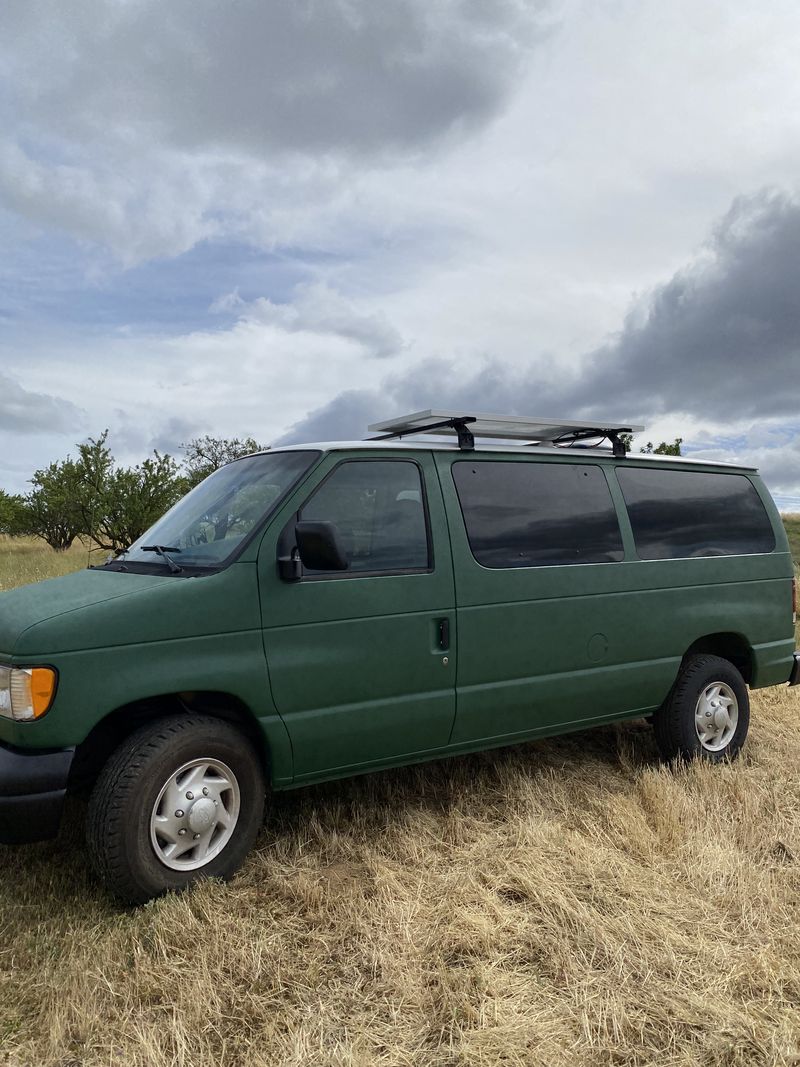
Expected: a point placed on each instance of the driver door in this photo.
(362, 661)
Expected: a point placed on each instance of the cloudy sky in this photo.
(289, 218)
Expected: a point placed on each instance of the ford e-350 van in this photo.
(323, 610)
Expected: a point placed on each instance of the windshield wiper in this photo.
(162, 551)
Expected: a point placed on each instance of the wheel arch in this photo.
(728, 645)
(111, 730)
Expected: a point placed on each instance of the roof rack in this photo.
(502, 427)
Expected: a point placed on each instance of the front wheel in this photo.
(707, 714)
(180, 799)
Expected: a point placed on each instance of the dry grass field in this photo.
(27, 559)
(567, 902)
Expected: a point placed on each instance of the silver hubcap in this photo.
(195, 814)
(716, 716)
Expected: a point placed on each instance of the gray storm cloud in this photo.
(266, 75)
(721, 338)
(148, 127)
(22, 411)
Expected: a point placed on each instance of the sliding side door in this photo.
(544, 637)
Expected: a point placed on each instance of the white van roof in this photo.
(585, 452)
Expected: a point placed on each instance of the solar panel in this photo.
(500, 427)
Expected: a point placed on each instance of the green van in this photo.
(316, 611)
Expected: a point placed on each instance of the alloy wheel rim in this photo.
(716, 716)
(195, 814)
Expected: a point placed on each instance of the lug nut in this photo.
(216, 802)
(190, 796)
(179, 813)
(197, 837)
(182, 831)
(205, 791)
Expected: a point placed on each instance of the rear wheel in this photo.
(707, 714)
(181, 799)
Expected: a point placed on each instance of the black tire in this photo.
(674, 723)
(122, 802)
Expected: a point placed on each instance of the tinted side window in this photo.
(379, 510)
(677, 514)
(537, 514)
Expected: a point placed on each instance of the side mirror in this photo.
(320, 546)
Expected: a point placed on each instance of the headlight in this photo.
(26, 692)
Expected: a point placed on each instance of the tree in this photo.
(95, 466)
(137, 496)
(206, 454)
(12, 514)
(91, 496)
(53, 509)
(111, 505)
(664, 449)
(118, 504)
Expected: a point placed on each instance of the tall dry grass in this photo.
(27, 559)
(566, 902)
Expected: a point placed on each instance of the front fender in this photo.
(95, 682)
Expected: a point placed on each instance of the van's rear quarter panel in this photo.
(543, 647)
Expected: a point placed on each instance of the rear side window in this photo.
(537, 514)
(680, 514)
(378, 508)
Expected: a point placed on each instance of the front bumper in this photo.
(794, 677)
(33, 784)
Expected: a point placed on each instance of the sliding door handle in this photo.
(444, 634)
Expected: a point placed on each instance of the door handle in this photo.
(444, 634)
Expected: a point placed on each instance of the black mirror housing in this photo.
(290, 569)
(320, 546)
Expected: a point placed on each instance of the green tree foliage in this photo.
(92, 497)
(206, 454)
(666, 448)
(12, 514)
(133, 498)
(53, 508)
(95, 465)
(118, 504)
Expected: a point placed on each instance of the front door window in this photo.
(378, 508)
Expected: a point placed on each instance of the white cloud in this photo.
(251, 379)
(316, 308)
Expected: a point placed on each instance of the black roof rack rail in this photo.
(466, 439)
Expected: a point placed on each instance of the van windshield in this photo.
(206, 527)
